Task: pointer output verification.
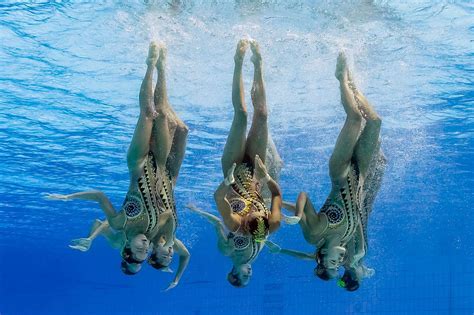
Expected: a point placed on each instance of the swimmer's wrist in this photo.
(265, 179)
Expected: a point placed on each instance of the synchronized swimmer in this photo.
(147, 221)
(145, 227)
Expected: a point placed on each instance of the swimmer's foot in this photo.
(256, 57)
(163, 53)
(242, 46)
(342, 71)
(153, 51)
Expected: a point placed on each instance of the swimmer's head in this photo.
(348, 282)
(130, 268)
(328, 261)
(325, 274)
(161, 256)
(331, 257)
(240, 275)
(138, 247)
(257, 225)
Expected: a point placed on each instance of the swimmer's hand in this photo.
(171, 286)
(57, 197)
(363, 271)
(274, 248)
(367, 272)
(356, 259)
(230, 179)
(290, 219)
(261, 172)
(82, 244)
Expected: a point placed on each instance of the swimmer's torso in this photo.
(344, 207)
(245, 248)
(244, 196)
(149, 197)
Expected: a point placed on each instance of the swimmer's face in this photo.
(333, 257)
(244, 273)
(134, 268)
(163, 255)
(139, 246)
(325, 274)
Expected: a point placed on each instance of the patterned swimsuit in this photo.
(344, 207)
(154, 196)
(352, 204)
(244, 198)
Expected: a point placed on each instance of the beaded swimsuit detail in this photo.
(244, 197)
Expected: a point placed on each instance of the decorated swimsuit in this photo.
(351, 204)
(153, 197)
(344, 207)
(244, 197)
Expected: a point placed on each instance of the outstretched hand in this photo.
(230, 179)
(82, 244)
(290, 220)
(171, 286)
(57, 197)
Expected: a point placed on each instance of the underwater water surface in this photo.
(70, 74)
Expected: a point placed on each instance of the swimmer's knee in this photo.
(260, 112)
(182, 127)
(376, 121)
(240, 113)
(353, 117)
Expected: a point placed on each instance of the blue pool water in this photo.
(69, 80)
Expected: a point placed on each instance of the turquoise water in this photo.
(69, 80)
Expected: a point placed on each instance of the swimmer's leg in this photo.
(178, 148)
(344, 149)
(258, 135)
(139, 146)
(368, 140)
(234, 149)
(164, 124)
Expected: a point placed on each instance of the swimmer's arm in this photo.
(289, 206)
(113, 217)
(298, 254)
(115, 239)
(275, 216)
(222, 241)
(276, 249)
(231, 220)
(360, 249)
(184, 257)
(97, 230)
(206, 215)
(84, 244)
